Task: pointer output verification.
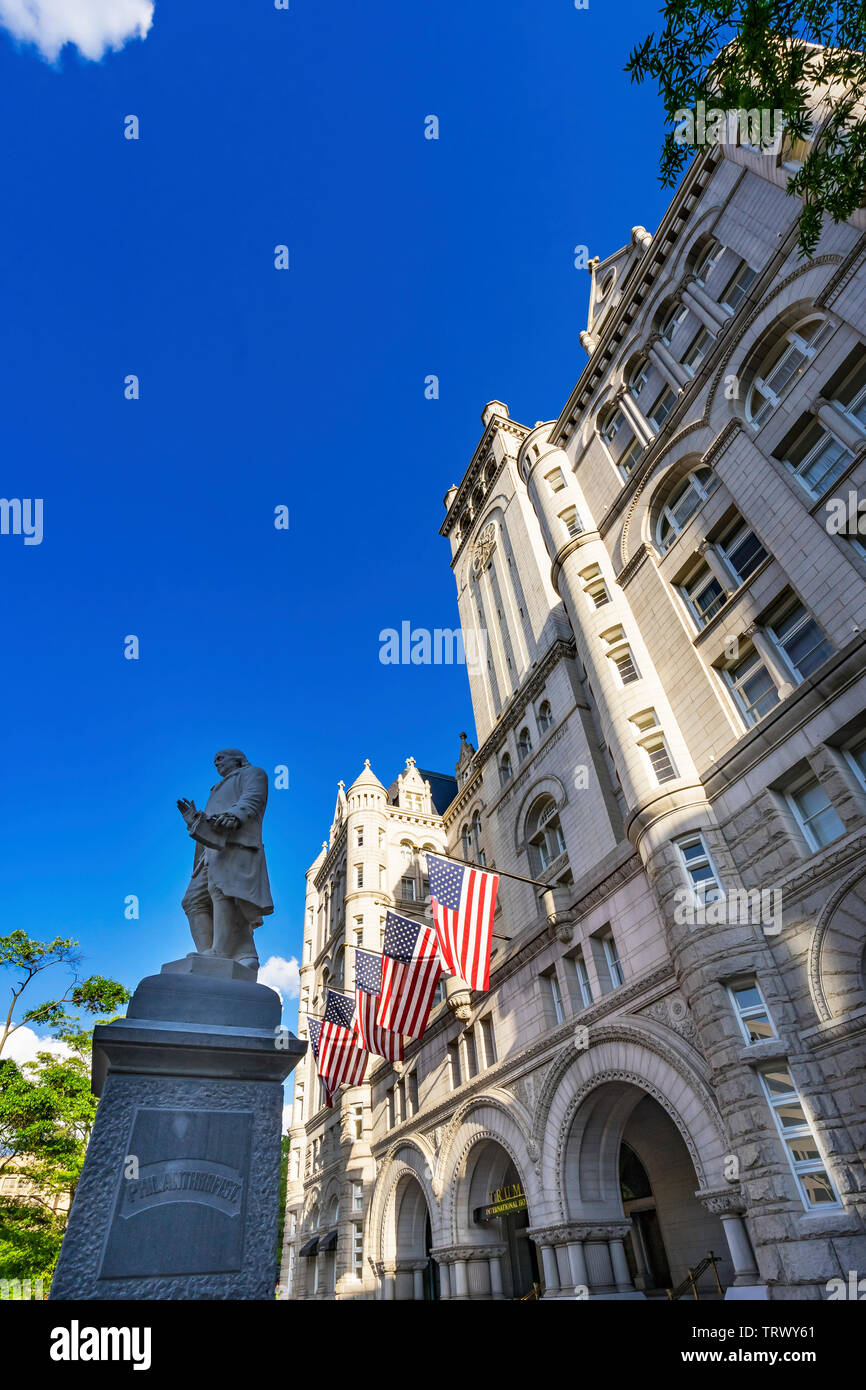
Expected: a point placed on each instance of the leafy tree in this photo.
(46, 1107)
(771, 54)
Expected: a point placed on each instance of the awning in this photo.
(328, 1242)
(311, 1247)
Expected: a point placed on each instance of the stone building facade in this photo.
(670, 707)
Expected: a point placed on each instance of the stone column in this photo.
(642, 431)
(834, 419)
(444, 1281)
(496, 1291)
(461, 1282)
(771, 658)
(745, 1268)
(551, 1273)
(673, 371)
(418, 1283)
(620, 1265)
(711, 315)
(719, 567)
(577, 1258)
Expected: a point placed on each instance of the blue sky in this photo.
(260, 387)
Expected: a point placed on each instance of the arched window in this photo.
(340, 966)
(544, 834)
(681, 505)
(505, 769)
(476, 830)
(706, 260)
(545, 716)
(405, 854)
(670, 321)
(636, 377)
(466, 842)
(781, 366)
(524, 744)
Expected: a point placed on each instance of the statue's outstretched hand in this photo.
(226, 821)
(188, 810)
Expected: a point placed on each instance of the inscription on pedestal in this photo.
(197, 1158)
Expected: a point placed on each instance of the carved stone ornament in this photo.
(484, 548)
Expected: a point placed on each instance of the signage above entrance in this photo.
(503, 1202)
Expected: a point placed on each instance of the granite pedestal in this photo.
(179, 1195)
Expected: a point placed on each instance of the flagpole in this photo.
(504, 873)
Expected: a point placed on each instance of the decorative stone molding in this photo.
(819, 938)
(484, 548)
(722, 1202)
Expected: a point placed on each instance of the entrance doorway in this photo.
(645, 1251)
(493, 1176)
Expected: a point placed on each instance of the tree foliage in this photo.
(771, 55)
(46, 1106)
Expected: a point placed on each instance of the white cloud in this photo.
(287, 1118)
(23, 1045)
(92, 25)
(282, 975)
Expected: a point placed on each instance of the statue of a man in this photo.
(229, 892)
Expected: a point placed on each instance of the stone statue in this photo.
(229, 892)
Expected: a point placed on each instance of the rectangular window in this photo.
(583, 983)
(358, 1121)
(660, 760)
(357, 1196)
(697, 351)
(555, 480)
(699, 868)
(471, 1053)
(392, 1107)
(801, 639)
(743, 551)
(798, 1140)
(624, 663)
(704, 595)
(359, 836)
(571, 521)
(359, 876)
(412, 1093)
(488, 1041)
(738, 287)
(815, 813)
(598, 593)
(663, 407)
(753, 686)
(856, 755)
(630, 458)
(817, 458)
(611, 955)
(752, 1013)
(554, 998)
(358, 1250)
(454, 1058)
(407, 889)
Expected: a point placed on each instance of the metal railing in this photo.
(691, 1279)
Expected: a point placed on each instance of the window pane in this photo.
(818, 1188)
(779, 1081)
(825, 465)
(758, 1026)
(791, 1114)
(747, 997)
(804, 1149)
(746, 553)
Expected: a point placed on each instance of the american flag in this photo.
(341, 1060)
(410, 974)
(314, 1026)
(368, 988)
(463, 901)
